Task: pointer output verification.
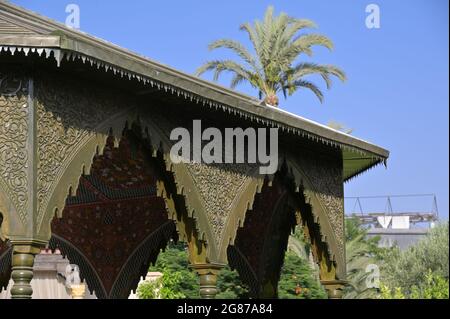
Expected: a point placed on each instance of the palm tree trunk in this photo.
(271, 99)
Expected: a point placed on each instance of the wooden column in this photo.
(208, 278)
(22, 268)
(334, 288)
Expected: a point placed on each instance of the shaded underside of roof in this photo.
(23, 32)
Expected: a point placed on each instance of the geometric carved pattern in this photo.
(218, 186)
(67, 116)
(13, 141)
(114, 211)
(326, 179)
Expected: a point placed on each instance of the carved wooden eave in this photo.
(51, 40)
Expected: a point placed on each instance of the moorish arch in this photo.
(168, 192)
(73, 137)
(115, 225)
(286, 199)
(267, 226)
(73, 134)
(130, 181)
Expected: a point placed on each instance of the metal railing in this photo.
(415, 216)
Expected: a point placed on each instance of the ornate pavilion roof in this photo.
(26, 33)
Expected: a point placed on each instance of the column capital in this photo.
(207, 273)
(334, 288)
(207, 268)
(27, 246)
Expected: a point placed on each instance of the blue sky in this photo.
(396, 95)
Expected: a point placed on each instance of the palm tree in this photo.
(273, 67)
(360, 252)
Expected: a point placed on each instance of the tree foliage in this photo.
(405, 271)
(230, 285)
(299, 277)
(298, 280)
(433, 287)
(361, 252)
(272, 66)
(165, 287)
(174, 260)
(419, 272)
(298, 244)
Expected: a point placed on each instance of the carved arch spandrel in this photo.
(78, 163)
(185, 226)
(80, 160)
(196, 221)
(321, 213)
(210, 191)
(73, 121)
(258, 251)
(116, 221)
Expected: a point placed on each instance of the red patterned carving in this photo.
(123, 168)
(114, 210)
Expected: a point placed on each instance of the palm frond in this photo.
(238, 48)
(267, 31)
(308, 40)
(309, 85)
(236, 80)
(302, 44)
(278, 28)
(243, 74)
(222, 65)
(287, 32)
(264, 57)
(296, 25)
(305, 69)
(253, 36)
